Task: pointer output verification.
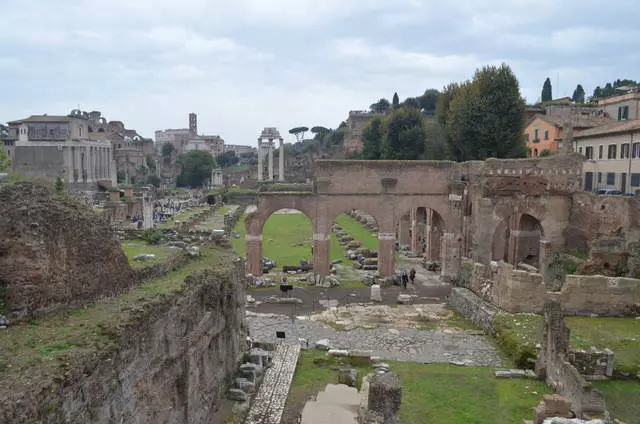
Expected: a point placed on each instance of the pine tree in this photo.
(395, 101)
(578, 94)
(547, 94)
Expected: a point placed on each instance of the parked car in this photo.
(267, 264)
(609, 192)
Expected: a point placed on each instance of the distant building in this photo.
(612, 153)
(211, 144)
(625, 107)
(239, 149)
(187, 139)
(545, 132)
(63, 146)
(356, 122)
(178, 137)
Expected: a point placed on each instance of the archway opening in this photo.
(420, 231)
(528, 245)
(354, 244)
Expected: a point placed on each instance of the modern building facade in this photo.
(545, 132)
(612, 153)
(63, 146)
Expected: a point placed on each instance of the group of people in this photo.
(163, 210)
(411, 276)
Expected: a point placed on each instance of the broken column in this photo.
(385, 398)
(386, 251)
(254, 254)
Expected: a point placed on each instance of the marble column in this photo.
(281, 161)
(386, 251)
(254, 254)
(270, 163)
(260, 164)
(321, 246)
(100, 163)
(79, 163)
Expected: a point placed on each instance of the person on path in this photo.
(405, 279)
(412, 275)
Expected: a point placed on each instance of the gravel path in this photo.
(401, 344)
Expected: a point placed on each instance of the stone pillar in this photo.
(260, 164)
(451, 256)
(415, 243)
(404, 230)
(386, 257)
(69, 172)
(100, 163)
(321, 246)
(270, 162)
(434, 251)
(546, 257)
(514, 239)
(79, 162)
(281, 161)
(254, 254)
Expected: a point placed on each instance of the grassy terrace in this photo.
(438, 393)
(133, 248)
(215, 221)
(42, 350)
(182, 215)
(519, 335)
(358, 231)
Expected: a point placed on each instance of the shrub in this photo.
(152, 236)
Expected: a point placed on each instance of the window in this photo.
(580, 149)
(600, 149)
(611, 178)
(536, 137)
(623, 113)
(535, 153)
(635, 153)
(624, 151)
(612, 151)
(599, 177)
(635, 180)
(546, 135)
(80, 131)
(589, 152)
(526, 138)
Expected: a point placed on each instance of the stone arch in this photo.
(529, 234)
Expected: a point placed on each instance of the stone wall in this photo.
(518, 291)
(172, 364)
(55, 252)
(594, 217)
(481, 313)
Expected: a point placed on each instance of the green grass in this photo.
(358, 231)
(215, 221)
(46, 347)
(182, 216)
(438, 393)
(518, 335)
(133, 248)
(622, 399)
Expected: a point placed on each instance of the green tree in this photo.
(443, 102)
(435, 142)
(151, 163)
(167, 150)
(227, 159)
(429, 100)
(412, 102)
(298, 133)
(405, 135)
(195, 168)
(578, 94)
(59, 186)
(372, 138)
(486, 117)
(395, 101)
(5, 163)
(381, 106)
(545, 152)
(154, 180)
(547, 94)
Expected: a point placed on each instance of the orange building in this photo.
(544, 132)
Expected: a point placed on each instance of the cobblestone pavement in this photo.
(268, 405)
(401, 344)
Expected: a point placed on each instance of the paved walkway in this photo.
(401, 344)
(268, 405)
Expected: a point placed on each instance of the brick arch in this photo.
(268, 205)
(437, 203)
(372, 206)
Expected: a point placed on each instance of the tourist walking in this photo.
(405, 279)
(412, 276)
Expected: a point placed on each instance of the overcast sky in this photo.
(242, 65)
